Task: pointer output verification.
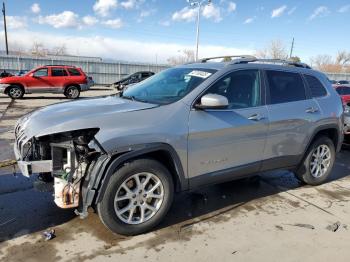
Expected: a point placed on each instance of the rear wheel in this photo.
(318, 162)
(72, 92)
(137, 198)
(15, 92)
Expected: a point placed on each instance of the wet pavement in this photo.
(270, 218)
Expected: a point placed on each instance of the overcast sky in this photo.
(141, 30)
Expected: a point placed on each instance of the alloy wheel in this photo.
(15, 92)
(320, 161)
(139, 198)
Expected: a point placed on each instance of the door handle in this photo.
(256, 117)
(311, 110)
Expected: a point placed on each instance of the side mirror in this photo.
(213, 101)
(31, 75)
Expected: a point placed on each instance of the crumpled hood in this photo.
(76, 115)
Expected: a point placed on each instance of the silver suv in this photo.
(188, 126)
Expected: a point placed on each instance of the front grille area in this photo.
(20, 137)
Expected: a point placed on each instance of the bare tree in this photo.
(326, 63)
(342, 58)
(275, 50)
(59, 50)
(39, 50)
(187, 56)
(17, 49)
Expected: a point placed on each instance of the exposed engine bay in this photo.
(64, 158)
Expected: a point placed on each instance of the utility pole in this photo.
(291, 49)
(199, 5)
(5, 28)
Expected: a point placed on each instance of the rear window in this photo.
(58, 72)
(316, 87)
(285, 87)
(74, 72)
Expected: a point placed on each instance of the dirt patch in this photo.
(157, 243)
(32, 251)
(336, 194)
(295, 204)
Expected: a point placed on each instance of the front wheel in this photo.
(137, 197)
(72, 92)
(318, 162)
(15, 92)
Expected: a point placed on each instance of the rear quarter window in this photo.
(316, 87)
(74, 72)
(285, 87)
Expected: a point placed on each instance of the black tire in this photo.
(106, 208)
(15, 92)
(304, 174)
(72, 92)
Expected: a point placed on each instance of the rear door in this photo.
(59, 77)
(224, 144)
(292, 114)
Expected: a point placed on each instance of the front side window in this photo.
(241, 88)
(41, 72)
(168, 86)
(285, 87)
(58, 72)
(316, 87)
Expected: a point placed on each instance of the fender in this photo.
(136, 151)
(319, 129)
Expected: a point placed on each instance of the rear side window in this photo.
(316, 87)
(58, 72)
(285, 87)
(74, 72)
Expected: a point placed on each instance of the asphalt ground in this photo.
(273, 218)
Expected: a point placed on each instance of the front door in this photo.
(39, 81)
(224, 144)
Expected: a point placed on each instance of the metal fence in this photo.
(339, 76)
(102, 72)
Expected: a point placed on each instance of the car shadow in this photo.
(23, 210)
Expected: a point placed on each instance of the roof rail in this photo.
(204, 60)
(272, 61)
(60, 65)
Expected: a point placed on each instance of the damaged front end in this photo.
(67, 158)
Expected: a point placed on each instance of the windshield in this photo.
(168, 86)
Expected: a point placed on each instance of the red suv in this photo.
(344, 92)
(67, 80)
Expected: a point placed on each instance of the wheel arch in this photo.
(331, 131)
(14, 84)
(164, 153)
(71, 84)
